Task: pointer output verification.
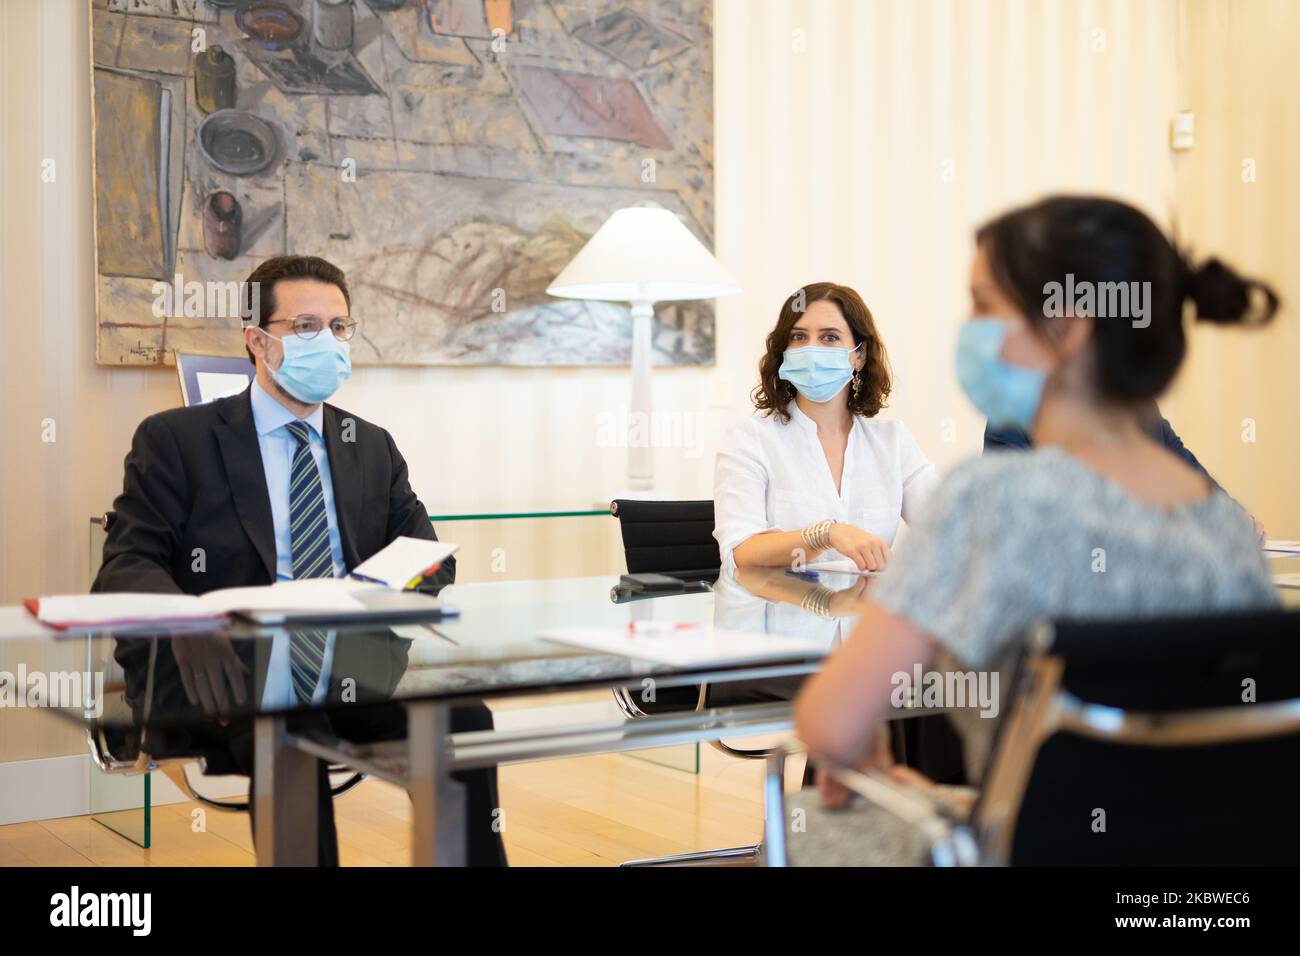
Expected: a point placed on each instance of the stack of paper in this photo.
(121, 612)
(1274, 548)
(403, 562)
(688, 645)
(837, 565)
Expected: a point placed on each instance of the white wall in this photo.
(838, 123)
(1239, 395)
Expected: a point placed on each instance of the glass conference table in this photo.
(389, 691)
(383, 706)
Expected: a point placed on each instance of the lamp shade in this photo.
(643, 254)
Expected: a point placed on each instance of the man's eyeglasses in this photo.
(310, 326)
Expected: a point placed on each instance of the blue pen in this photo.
(805, 575)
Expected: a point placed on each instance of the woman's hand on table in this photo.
(863, 548)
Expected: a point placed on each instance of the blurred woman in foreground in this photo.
(1008, 539)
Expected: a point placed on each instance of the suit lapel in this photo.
(242, 456)
(346, 476)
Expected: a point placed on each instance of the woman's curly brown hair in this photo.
(772, 394)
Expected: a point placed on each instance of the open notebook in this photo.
(375, 590)
(332, 600)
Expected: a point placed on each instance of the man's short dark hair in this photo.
(266, 275)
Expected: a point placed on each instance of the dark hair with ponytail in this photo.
(1103, 241)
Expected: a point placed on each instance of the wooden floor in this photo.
(588, 811)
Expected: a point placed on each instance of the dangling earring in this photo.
(857, 382)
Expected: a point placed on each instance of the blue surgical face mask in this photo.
(1006, 394)
(818, 372)
(313, 369)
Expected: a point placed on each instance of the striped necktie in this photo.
(306, 661)
(309, 530)
(309, 544)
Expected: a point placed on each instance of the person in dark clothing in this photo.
(274, 484)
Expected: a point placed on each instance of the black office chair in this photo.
(668, 537)
(103, 749)
(1171, 742)
(676, 538)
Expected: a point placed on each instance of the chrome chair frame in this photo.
(1042, 709)
(176, 772)
(728, 856)
(950, 842)
(627, 705)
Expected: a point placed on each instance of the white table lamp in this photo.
(642, 255)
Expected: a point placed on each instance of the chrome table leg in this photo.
(437, 801)
(285, 791)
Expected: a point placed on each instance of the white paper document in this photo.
(1274, 547)
(687, 645)
(309, 594)
(404, 560)
(121, 611)
(215, 385)
(88, 611)
(838, 565)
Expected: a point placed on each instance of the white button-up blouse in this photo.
(773, 476)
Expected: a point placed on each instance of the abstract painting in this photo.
(450, 155)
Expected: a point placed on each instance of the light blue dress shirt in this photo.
(278, 448)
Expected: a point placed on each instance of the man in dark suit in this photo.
(274, 484)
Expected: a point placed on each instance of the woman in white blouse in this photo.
(815, 477)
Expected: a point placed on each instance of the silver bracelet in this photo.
(817, 537)
(818, 601)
